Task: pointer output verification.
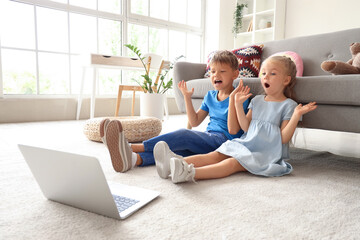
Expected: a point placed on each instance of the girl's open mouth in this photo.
(267, 85)
(217, 81)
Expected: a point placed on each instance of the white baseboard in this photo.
(14, 110)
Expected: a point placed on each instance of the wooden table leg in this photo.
(127, 88)
(118, 101)
(133, 104)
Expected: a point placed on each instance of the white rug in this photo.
(319, 200)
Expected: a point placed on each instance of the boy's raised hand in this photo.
(301, 110)
(183, 88)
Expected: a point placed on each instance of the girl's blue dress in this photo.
(260, 150)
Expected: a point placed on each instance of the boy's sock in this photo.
(133, 159)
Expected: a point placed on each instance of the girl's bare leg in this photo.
(201, 160)
(219, 170)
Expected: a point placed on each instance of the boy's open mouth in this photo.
(267, 85)
(217, 81)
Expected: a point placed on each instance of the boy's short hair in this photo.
(225, 57)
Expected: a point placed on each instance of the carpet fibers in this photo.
(320, 199)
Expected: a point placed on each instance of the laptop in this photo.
(78, 181)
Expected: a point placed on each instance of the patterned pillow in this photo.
(296, 59)
(249, 61)
(207, 71)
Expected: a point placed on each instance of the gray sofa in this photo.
(338, 96)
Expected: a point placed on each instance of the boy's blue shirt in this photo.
(218, 112)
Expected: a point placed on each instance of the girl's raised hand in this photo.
(242, 94)
(301, 110)
(236, 90)
(183, 88)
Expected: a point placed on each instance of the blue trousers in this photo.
(183, 142)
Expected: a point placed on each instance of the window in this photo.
(82, 38)
(157, 9)
(40, 51)
(19, 72)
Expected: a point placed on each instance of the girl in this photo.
(269, 125)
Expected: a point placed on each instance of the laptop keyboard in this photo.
(123, 203)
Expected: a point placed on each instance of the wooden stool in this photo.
(127, 88)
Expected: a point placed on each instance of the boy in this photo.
(184, 142)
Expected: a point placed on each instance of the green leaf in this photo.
(147, 83)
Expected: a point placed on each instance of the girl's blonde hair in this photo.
(290, 68)
(225, 57)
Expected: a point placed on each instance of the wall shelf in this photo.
(267, 18)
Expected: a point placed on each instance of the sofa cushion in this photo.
(333, 90)
(249, 61)
(295, 58)
(330, 90)
(207, 71)
(201, 87)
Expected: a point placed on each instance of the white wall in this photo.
(226, 37)
(218, 25)
(212, 26)
(308, 17)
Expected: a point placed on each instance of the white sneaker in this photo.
(119, 148)
(162, 155)
(181, 171)
(103, 127)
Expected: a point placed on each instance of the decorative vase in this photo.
(262, 24)
(152, 105)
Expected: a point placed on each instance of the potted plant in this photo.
(238, 15)
(153, 92)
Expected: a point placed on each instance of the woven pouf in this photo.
(136, 129)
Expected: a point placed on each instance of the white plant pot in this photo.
(152, 105)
